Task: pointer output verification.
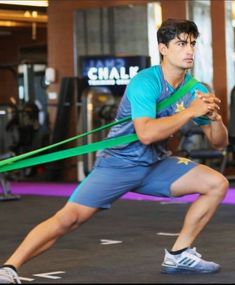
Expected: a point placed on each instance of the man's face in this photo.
(180, 51)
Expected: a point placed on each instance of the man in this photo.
(146, 166)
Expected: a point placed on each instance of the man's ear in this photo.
(162, 49)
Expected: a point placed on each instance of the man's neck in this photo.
(173, 75)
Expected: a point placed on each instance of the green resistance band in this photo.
(22, 161)
(36, 151)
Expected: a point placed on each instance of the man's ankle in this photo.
(10, 266)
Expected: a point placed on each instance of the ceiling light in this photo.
(27, 16)
(41, 3)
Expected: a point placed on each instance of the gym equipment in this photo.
(5, 184)
(231, 134)
(68, 104)
(24, 122)
(194, 145)
(98, 108)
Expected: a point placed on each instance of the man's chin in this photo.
(188, 66)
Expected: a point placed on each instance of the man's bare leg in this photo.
(44, 235)
(212, 187)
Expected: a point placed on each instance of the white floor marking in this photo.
(109, 241)
(167, 234)
(50, 275)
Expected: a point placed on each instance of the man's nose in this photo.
(190, 48)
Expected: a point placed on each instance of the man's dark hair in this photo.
(172, 28)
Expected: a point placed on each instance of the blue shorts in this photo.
(112, 177)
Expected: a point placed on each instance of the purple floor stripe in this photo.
(66, 189)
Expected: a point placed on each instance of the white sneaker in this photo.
(189, 261)
(9, 276)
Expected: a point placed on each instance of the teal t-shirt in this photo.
(140, 99)
(150, 81)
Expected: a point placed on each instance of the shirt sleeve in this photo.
(142, 94)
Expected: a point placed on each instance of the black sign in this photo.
(114, 72)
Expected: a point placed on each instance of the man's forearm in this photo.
(218, 135)
(153, 130)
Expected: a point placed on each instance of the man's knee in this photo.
(72, 215)
(65, 220)
(218, 186)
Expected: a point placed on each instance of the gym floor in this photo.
(122, 245)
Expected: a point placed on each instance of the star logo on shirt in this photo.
(183, 160)
(179, 107)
